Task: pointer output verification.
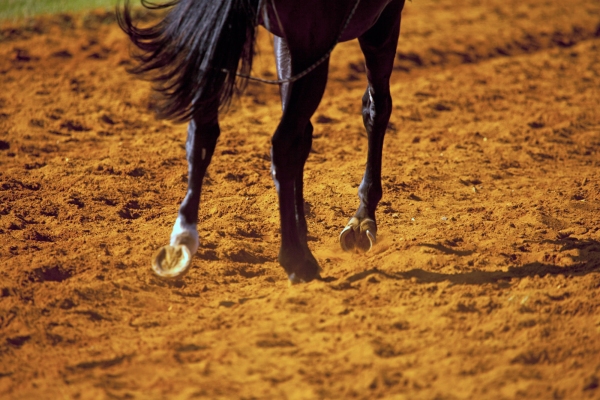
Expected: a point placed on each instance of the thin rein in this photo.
(312, 67)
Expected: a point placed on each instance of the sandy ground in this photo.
(486, 280)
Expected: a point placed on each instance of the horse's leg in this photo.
(284, 70)
(379, 47)
(203, 132)
(291, 145)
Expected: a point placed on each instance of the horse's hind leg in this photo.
(379, 47)
(284, 71)
(175, 259)
(291, 145)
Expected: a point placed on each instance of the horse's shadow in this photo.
(586, 262)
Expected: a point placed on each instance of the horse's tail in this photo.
(193, 54)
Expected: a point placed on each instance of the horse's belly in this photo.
(364, 18)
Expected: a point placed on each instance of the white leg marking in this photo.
(185, 234)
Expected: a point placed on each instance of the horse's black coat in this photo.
(193, 56)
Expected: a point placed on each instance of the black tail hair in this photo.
(192, 55)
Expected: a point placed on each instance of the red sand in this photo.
(486, 279)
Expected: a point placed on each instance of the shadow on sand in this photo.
(586, 262)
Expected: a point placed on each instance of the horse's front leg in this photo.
(175, 259)
(291, 146)
(379, 47)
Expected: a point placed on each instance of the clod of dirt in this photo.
(74, 126)
(136, 173)
(323, 119)
(22, 55)
(39, 237)
(56, 273)
(536, 124)
(591, 383)
(62, 54)
(107, 119)
(18, 341)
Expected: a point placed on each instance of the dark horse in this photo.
(195, 56)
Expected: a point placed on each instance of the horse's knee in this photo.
(377, 107)
(307, 141)
(201, 141)
(289, 151)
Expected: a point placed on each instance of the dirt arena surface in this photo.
(485, 283)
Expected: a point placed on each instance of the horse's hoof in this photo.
(359, 235)
(372, 239)
(300, 265)
(296, 279)
(172, 261)
(347, 239)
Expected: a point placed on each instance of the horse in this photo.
(199, 54)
